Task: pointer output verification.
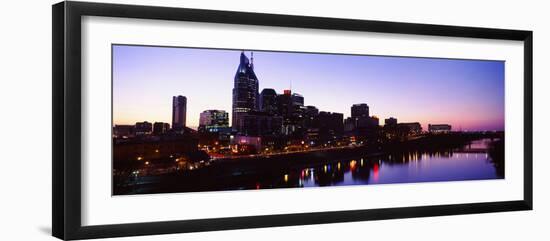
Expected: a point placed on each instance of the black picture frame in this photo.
(66, 169)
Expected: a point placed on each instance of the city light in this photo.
(257, 132)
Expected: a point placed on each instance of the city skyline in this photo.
(429, 91)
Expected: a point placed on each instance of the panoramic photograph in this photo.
(200, 119)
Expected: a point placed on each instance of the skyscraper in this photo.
(268, 101)
(331, 125)
(245, 91)
(360, 110)
(160, 128)
(179, 112)
(297, 99)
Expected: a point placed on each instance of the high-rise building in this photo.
(143, 128)
(360, 110)
(373, 121)
(311, 111)
(310, 116)
(268, 101)
(297, 99)
(213, 120)
(360, 121)
(261, 124)
(160, 128)
(291, 108)
(245, 91)
(390, 121)
(350, 124)
(179, 112)
(331, 125)
(284, 105)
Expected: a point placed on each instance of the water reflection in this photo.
(483, 159)
(472, 162)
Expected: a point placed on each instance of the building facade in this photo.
(412, 128)
(439, 128)
(123, 131)
(261, 124)
(245, 92)
(331, 125)
(179, 112)
(390, 121)
(360, 110)
(143, 128)
(213, 120)
(268, 101)
(160, 128)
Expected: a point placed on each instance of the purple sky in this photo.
(468, 94)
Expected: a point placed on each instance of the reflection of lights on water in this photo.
(257, 185)
(286, 177)
(325, 168)
(375, 171)
(361, 161)
(338, 166)
(352, 164)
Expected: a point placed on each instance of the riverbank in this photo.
(285, 170)
(424, 143)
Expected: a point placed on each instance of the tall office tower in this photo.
(179, 112)
(160, 128)
(245, 92)
(297, 99)
(360, 110)
(331, 125)
(310, 116)
(268, 101)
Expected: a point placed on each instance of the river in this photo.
(474, 161)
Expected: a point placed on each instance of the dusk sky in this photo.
(468, 94)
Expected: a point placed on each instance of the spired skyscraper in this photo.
(245, 92)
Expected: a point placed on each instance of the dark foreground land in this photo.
(326, 167)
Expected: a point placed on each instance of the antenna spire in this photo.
(252, 59)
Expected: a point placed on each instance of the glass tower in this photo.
(245, 92)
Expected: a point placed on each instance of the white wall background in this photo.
(25, 100)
